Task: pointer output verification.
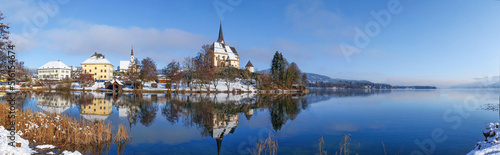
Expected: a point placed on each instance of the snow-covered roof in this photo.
(123, 112)
(53, 109)
(221, 132)
(94, 117)
(97, 58)
(54, 65)
(220, 48)
(124, 65)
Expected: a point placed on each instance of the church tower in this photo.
(221, 37)
(132, 54)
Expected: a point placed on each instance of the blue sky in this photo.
(440, 43)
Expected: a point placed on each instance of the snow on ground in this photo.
(45, 147)
(237, 84)
(5, 148)
(490, 145)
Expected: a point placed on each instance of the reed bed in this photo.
(321, 146)
(268, 146)
(61, 130)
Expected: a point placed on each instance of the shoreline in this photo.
(166, 91)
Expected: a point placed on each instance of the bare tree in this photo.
(148, 70)
(188, 68)
(229, 76)
(172, 71)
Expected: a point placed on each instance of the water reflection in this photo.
(213, 116)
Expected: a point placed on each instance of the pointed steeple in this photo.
(221, 37)
(132, 50)
(219, 144)
(132, 54)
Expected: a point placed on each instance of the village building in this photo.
(249, 67)
(126, 65)
(53, 104)
(224, 56)
(99, 66)
(98, 109)
(54, 70)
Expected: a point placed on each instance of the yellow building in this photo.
(99, 106)
(98, 65)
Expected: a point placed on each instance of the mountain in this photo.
(313, 78)
(316, 78)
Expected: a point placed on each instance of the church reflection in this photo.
(214, 115)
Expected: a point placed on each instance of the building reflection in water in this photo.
(53, 104)
(99, 107)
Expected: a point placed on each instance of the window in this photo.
(90, 70)
(104, 76)
(104, 65)
(95, 67)
(104, 71)
(101, 70)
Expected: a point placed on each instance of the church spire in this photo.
(132, 50)
(221, 37)
(132, 54)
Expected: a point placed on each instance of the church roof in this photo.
(249, 64)
(97, 58)
(234, 50)
(54, 64)
(221, 37)
(124, 65)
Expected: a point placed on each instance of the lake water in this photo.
(437, 121)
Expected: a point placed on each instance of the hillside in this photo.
(314, 80)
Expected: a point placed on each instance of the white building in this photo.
(224, 56)
(54, 70)
(126, 65)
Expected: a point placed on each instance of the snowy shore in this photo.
(24, 149)
(490, 145)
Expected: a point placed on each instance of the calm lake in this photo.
(442, 121)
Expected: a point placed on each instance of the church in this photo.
(224, 56)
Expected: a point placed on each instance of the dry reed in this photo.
(269, 146)
(322, 147)
(63, 131)
(344, 145)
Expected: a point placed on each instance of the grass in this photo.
(63, 131)
(269, 146)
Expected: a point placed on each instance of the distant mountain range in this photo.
(317, 78)
(477, 85)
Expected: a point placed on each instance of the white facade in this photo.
(54, 70)
(126, 65)
(224, 56)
